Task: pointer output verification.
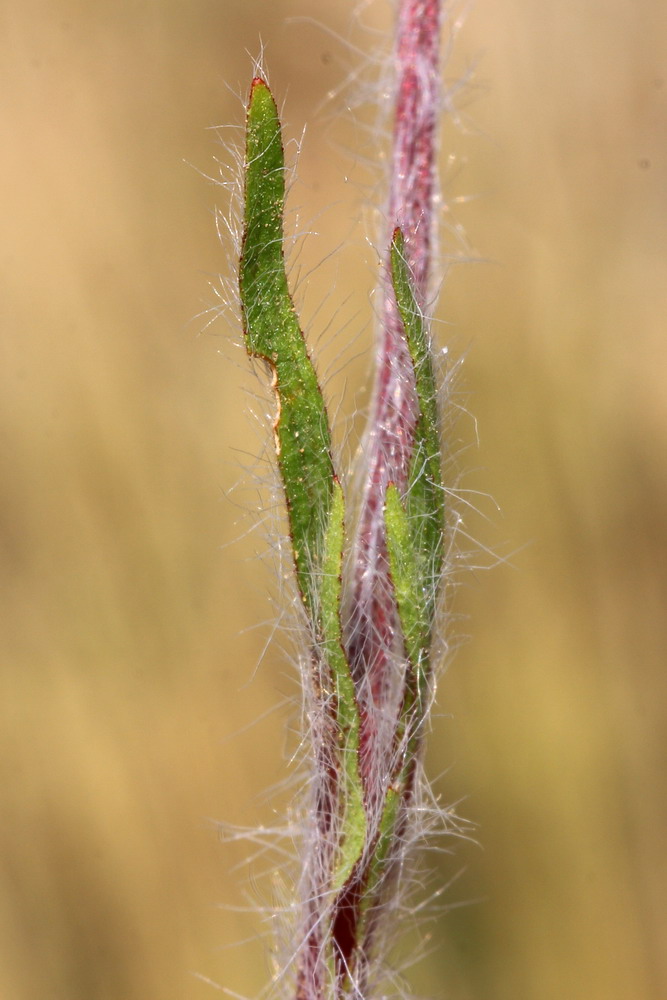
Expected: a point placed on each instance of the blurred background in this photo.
(138, 702)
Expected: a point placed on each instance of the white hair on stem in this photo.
(338, 927)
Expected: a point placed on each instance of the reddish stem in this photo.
(372, 625)
(373, 640)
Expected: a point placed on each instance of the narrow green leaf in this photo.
(314, 497)
(272, 332)
(353, 832)
(415, 523)
(406, 574)
(385, 840)
(425, 498)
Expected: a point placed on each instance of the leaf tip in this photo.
(260, 95)
(397, 239)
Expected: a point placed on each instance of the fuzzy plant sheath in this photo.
(369, 584)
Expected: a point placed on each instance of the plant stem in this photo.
(372, 627)
(369, 675)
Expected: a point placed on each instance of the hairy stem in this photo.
(372, 639)
(370, 616)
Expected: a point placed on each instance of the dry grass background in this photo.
(127, 678)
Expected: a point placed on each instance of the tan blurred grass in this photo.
(126, 673)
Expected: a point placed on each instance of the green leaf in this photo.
(354, 827)
(314, 497)
(415, 523)
(406, 574)
(425, 498)
(272, 332)
(385, 841)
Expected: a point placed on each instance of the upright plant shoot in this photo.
(369, 585)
